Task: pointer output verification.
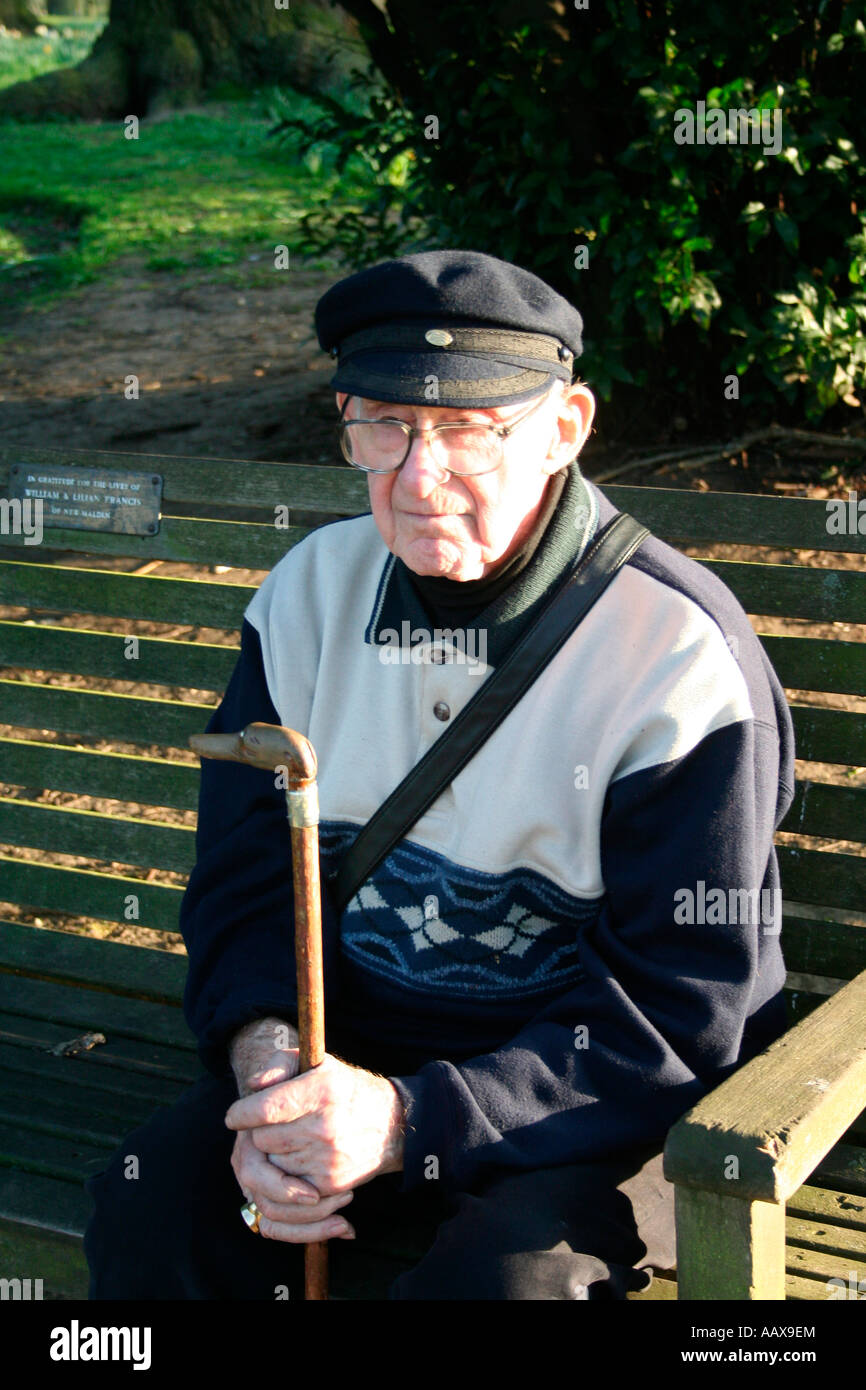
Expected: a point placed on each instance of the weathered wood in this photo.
(49, 1154)
(159, 661)
(795, 591)
(58, 1260)
(338, 488)
(241, 544)
(55, 888)
(150, 598)
(764, 1130)
(675, 514)
(831, 812)
(830, 1208)
(812, 663)
(843, 1168)
(817, 947)
(124, 1058)
(122, 839)
(134, 971)
(129, 718)
(151, 781)
(93, 1010)
(39, 1070)
(826, 1239)
(729, 1247)
(829, 735)
(823, 877)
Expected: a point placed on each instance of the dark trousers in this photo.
(582, 1231)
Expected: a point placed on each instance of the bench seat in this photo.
(100, 802)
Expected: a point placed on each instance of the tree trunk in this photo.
(157, 54)
(21, 14)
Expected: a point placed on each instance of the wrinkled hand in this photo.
(292, 1210)
(336, 1126)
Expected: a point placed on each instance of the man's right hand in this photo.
(292, 1209)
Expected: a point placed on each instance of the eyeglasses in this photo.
(382, 446)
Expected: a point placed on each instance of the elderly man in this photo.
(520, 998)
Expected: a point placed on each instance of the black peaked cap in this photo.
(450, 328)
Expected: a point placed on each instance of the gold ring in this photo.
(252, 1216)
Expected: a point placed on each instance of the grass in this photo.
(205, 188)
(68, 41)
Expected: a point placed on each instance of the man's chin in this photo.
(440, 559)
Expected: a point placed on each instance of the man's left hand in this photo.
(337, 1125)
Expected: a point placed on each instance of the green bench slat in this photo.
(792, 591)
(108, 1084)
(37, 1200)
(844, 1169)
(91, 1010)
(829, 735)
(58, 1260)
(160, 661)
(835, 813)
(834, 1240)
(137, 971)
(150, 598)
(52, 1155)
(802, 663)
(129, 1059)
(823, 878)
(835, 1208)
(777, 590)
(130, 718)
(246, 483)
(815, 947)
(151, 781)
(113, 838)
(811, 663)
(822, 1265)
(673, 513)
(94, 1123)
(798, 523)
(823, 735)
(55, 888)
(242, 544)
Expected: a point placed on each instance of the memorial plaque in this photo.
(91, 499)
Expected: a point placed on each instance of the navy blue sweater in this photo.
(582, 936)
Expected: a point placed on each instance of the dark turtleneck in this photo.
(446, 598)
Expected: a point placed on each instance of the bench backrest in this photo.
(76, 725)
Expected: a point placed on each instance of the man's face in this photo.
(463, 528)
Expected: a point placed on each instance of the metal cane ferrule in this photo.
(303, 806)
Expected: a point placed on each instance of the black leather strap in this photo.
(606, 554)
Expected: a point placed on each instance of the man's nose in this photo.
(421, 469)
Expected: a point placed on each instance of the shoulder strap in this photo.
(571, 601)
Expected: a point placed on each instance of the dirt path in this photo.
(238, 373)
(222, 371)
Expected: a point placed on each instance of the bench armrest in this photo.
(780, 1113)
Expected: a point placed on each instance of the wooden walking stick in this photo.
(278, 749)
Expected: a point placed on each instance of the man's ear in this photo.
(576, 414)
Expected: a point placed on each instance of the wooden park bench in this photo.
(791, 1119)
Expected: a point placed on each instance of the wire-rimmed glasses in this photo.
(463, 447)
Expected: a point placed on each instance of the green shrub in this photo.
(703, 260)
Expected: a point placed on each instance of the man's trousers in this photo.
(174, 1231)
